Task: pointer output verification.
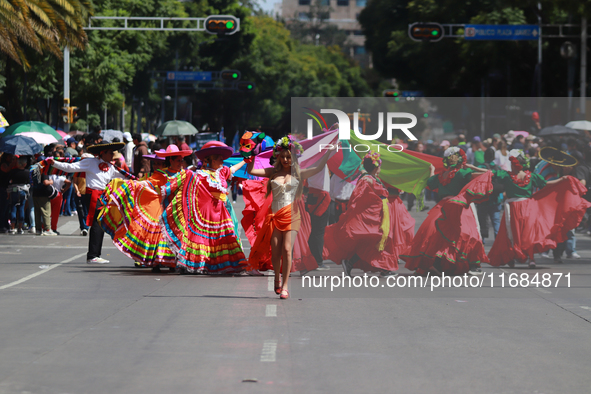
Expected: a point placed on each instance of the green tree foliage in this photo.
(460, 67)
(127, 67)
(43, 25)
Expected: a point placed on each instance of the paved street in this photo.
(78, 328)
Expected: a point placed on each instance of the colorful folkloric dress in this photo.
(373, 227)
(131, 217)
(262, 214)
(536, 223)
(451, 232)
(197, 226)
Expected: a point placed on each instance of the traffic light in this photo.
(65, 113)
(230, 75)
(222, 24)
(73, 115)
(432, 32)
(246, 86)
(391, 93)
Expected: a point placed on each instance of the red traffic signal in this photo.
(245, 86)
(230, 75)
(222, 24)
(432, 32)
(74, 114)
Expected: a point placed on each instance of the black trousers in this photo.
(95, 235)
(316, 240)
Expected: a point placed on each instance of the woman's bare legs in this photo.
(276, 245)
(281, 251)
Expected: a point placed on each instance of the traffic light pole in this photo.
(583, 102)
(214, 24)
(458, 31)
(66, 83)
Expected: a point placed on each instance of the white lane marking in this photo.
(69, 227)
(584, 307)
(52, 246)
(26, 278)
(271, 311)
(271, 284)
(544, 291)
(269, 353)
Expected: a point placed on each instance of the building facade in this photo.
(342, 13)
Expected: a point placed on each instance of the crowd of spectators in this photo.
(35, 205)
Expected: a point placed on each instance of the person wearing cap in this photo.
(134, 208)
(207, 242)
(99, 172)
(534, 223)
(71, 145)
(128, 151)
(449, 240)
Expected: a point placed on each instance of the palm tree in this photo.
(43, 25)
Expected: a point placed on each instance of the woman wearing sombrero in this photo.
(133, 209)
(99, 172)
(207, 241)
(535, 223)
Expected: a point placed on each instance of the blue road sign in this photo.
(502, 32)
(188, 75)
(412, 93)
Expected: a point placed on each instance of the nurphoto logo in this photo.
(344, 127)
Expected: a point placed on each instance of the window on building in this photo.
(343, 2)
(324, 2)
(324, 16)
(304, 2)
(303, 16)
(358, 32)
(360, 3)
(360, 50)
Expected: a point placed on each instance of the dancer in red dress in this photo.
(284, 218)
(536, 222)
(449, 239)
(373, 229)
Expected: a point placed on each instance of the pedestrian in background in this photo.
(18, 188)
(141, 165)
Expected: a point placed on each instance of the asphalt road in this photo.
(69, 327)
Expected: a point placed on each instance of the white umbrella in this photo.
(41, 138)
(109, 135)
(579, 125)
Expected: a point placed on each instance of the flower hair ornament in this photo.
(375, 158)
(451, 169)
(518, 162)
(286, 143)
(454, 150)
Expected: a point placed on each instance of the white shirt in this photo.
(340, 189)
(95, 177)
(503, 161)
(58, 181)
(128, 154)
